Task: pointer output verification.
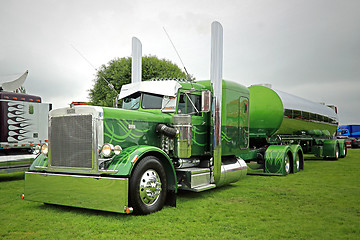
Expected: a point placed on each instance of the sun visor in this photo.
(165, 88)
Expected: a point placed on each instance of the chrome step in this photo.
(195, 179)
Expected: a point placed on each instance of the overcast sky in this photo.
(309, 48)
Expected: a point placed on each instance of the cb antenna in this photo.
(187, 74)
(107, 82)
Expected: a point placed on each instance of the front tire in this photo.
(148, 186)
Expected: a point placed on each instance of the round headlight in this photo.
(107, 150)
(117, 150)
(37, 149)
(44, 149)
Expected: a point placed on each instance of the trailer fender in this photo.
(127, 160)
(331, 149)
(278, 159)
(343, 149)
(298, 156)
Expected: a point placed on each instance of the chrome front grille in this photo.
(71, 141)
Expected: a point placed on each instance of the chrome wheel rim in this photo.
(337, 152)
(297, 163)
(150, 187)
(287, 164)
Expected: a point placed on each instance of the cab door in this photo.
(190, 103)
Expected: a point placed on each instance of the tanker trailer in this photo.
(284, 127)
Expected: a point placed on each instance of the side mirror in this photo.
(205, 101)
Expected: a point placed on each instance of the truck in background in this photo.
(23, 126)
(351, 134)
(173, 134)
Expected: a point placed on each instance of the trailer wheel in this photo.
(148, 186)
(337, 152)
(344, 151)
(297, 162)
(287, 164)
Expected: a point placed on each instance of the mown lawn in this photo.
(321, 202)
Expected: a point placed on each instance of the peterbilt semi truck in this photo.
(23, 126)
(170, 134)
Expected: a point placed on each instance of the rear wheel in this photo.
(344, 153)
(337, 152)
(297, 161)
(148, 186)
(287, 164)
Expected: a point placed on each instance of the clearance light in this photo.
(134, 160)
(45, 149)
(107, 150)
(128, 210)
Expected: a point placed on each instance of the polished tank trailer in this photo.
(287, 126)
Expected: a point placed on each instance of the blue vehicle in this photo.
(351, 133)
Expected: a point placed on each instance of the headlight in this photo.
(117, 150)
(45, 149)
(37, 149)
(107, 150)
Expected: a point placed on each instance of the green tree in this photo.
(118, 73)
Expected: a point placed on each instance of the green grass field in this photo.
(321, 202)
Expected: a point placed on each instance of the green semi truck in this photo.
(170, 134)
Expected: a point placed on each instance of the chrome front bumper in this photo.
(93, 192)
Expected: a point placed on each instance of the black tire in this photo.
(148, 186)
(337, 152)
(344, 151)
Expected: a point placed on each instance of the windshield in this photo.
(132, 101)
(151, 101)
(342, 132)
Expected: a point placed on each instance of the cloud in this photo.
(307, 48)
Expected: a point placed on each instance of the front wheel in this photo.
(148, 186)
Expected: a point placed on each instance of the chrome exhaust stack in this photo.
(136, 55)
(227, 169)
(216, 82)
